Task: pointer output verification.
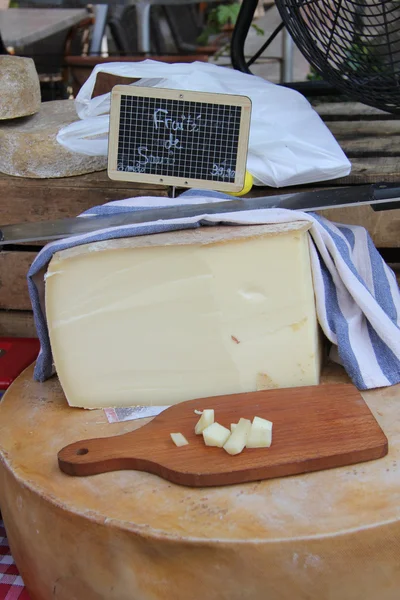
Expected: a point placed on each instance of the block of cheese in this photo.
(20, 87)
(29, 148)
(164, 318)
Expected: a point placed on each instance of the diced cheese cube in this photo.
(264, 423)
(238, 438)
(260, 435)
(259, 438)
(206, 419)
(179, 439)
(216, 435)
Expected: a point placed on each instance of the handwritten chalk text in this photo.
(154, 160)
(187, 123)
(223, 171)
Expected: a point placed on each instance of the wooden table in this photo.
(22, 26)
(131, 535)
(371, 139)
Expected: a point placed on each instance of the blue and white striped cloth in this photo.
(357, 297)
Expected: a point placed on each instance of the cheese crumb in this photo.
(179, 439)
(206, 419)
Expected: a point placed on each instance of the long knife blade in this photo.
(304, 201)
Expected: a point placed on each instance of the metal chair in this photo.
(186, 24)
(122, 23)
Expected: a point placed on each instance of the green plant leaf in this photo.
(313, 75)
(204, 37)
(227, 14)
(258, 29)
(218, 17)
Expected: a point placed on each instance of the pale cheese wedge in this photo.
(164, 318)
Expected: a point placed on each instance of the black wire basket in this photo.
(353, 44)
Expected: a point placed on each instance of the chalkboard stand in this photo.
(178, 138)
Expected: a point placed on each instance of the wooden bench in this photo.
(370, 138)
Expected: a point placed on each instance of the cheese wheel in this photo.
(20, 87)
(131, 535)
(29, 148)
(160, 319)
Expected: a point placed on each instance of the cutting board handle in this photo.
(101, 455)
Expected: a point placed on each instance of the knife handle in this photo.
(386, 191)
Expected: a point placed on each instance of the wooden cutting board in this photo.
(314, 428)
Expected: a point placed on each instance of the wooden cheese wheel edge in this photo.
(50, 406)
(67, 553)
(63, 555)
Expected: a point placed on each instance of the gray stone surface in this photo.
(22, 26)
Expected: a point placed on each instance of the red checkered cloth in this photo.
(11, 584)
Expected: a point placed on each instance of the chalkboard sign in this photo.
(181, 138)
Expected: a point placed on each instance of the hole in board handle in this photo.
(82, 451)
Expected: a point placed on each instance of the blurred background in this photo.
(67, 38)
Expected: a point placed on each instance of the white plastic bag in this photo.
(289, 144)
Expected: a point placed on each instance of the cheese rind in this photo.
(164, 318)
(29, 147)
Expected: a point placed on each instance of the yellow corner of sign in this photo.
(248, 184)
